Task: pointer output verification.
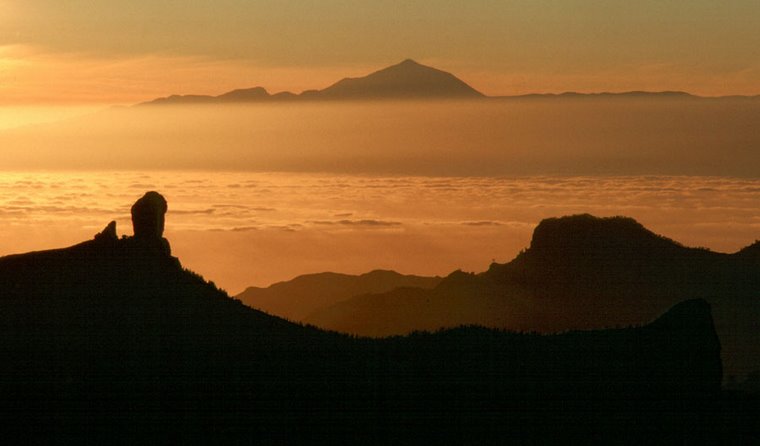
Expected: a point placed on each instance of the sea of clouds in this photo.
(242, 229)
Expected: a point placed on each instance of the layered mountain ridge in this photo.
(580, 272)
(112, 339)
(299, 297)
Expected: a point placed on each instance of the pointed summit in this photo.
(404, 80)
(408, 63)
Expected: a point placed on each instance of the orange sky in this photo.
(110, 52)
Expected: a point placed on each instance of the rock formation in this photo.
(148, 225)
(108, 234)
(148, 215)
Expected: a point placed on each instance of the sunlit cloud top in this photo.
(258, 228)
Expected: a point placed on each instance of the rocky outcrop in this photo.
(148, 215)
(108, 234)
(583, 237)
(148, 218)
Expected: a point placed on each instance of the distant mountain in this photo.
(112, 341)
(580, 272)
(246, 94)
(610, 95)
(406, 80)
(299, 297)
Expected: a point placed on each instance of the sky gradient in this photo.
(106, 52)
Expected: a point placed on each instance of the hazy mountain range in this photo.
(298, 298)
(580, 272)
(350, 127)
(405, 80)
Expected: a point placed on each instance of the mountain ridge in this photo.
(580, 272)
(409, 80)
(297, 298)
(405, 80)
(112, 340)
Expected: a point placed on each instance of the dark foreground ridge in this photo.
(112, 341)
(580, 272)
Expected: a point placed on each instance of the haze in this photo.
(505, 137)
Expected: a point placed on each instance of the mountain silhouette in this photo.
(112, 340)
(299, 297)
(611, 95)
(406, 80)
(410, 80)
(246, 94)
(580, 272)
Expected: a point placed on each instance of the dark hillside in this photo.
(113, 341)
(580, 272)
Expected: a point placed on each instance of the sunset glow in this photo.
(380, 222)
(244, 229)
(121, 54)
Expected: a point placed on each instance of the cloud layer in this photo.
(281, 225)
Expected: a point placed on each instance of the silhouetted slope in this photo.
(112, 341)
(582, 256)
(297, 298)
(96, 334)
(580, 272)
(751, 253)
